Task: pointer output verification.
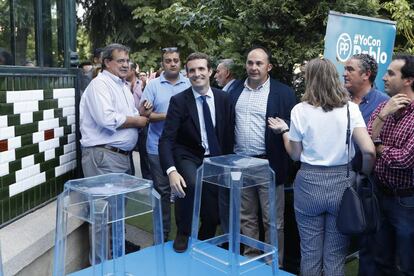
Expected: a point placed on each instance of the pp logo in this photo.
(343, 47)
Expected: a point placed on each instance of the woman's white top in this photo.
(323, 134)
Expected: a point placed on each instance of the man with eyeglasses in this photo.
(109, 120)
(158, 92)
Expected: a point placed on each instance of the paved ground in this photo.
(138, 236)
(134, 234)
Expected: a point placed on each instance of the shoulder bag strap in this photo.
(348, 136)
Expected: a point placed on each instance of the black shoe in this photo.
(180, 243)
(131, 247)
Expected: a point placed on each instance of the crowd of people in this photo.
(177, 120)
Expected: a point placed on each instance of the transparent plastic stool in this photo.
(105, 202)
(232, 174)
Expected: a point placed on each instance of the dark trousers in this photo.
(366, 243)
(366, 255)
(141, 147)
(209, 215)
(162, 185)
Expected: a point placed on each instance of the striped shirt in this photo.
(251, 120)
(137, 93)
(395, 167)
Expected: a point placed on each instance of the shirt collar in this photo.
(114, 78)
(265, 85)
(179, 80)
(368, 97)
(410, 107)
(227, 86)
(407, 110)
(209, 93)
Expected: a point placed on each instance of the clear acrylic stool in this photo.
(233, 173)
(105, 202)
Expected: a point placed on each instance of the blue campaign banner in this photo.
(349, 34)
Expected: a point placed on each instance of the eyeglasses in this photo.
(122, 61)
(169, 49)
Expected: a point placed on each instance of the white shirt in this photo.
(251, 120)
(104, 106)
(199, 103)
(323, 134)
(227, 86)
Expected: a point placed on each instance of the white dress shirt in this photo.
(227, 86)
(199, 102)
(104, 106)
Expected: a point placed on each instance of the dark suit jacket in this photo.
(181, 137)
(279, 104)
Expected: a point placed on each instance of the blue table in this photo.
(143, 263)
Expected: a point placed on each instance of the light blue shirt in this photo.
(104, 106)
(370, 102)
(199, 103)
(159, 91)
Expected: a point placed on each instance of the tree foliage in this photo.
(403, 14)
(84, 44)
(108, 21)
(293, 30)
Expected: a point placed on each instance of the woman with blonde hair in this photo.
(317, 137)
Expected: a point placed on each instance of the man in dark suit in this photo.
(255, 100)
(198, 124)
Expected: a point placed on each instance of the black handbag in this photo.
(359, 211)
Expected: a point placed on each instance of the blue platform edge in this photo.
(144, 262)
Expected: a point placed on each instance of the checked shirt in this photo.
(395, 167)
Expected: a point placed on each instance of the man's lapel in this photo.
(273, 99)
(192, 109)
(218, 103)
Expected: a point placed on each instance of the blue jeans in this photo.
(395, 241)
(366, 255)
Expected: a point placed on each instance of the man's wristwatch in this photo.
(377, 142)
(284, 131)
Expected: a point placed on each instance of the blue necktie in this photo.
(213, 144)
